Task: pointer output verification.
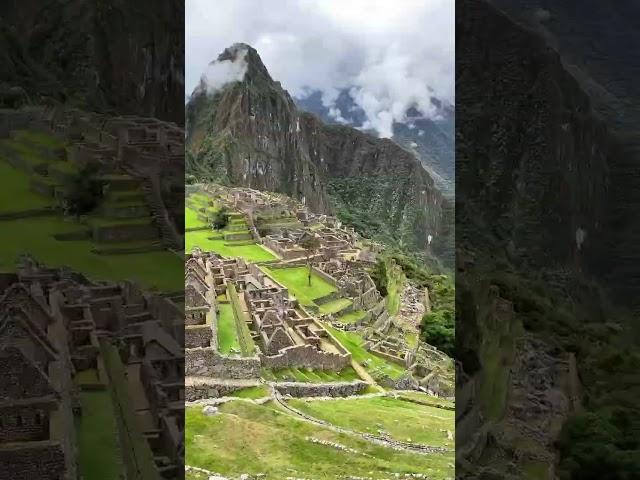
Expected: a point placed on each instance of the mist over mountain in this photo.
(248, 131)
(431, 139)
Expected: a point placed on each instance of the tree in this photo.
(83, 190)
(438, 329)
(220, 219)
(310, 243)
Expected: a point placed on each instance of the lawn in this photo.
(351, 317)
(99, 454)
(191, 219)
(296, 280)
(161, 269)
(203, 240)
(335, 306)
(355, 344)
(307, 375)
(403, 421)
(15, 194)
(250, 438)
(260, 391)
(227, 334)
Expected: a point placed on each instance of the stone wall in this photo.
(337, 389)
(125, 233)
(208, 390)
(306, 356)
(206, 362)
(44, 461)
(197, 336)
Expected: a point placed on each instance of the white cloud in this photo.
(393, 54)
(219, 73)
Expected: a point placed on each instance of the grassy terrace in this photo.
(375, 365)
(211, 241)
(35, 235)
(403, 421)
(310, 376)
(296, 280)
(227, 334)
(335, 305)
(352, 317)
(99, 454)
(249, 438)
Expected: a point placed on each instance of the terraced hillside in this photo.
(297, 368)
(116, 241)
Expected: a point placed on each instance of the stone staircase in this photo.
(168, 233)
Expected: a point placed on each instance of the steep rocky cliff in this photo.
(117, 57)
(248, 132)
(533, 209)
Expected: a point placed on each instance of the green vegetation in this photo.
(351, 317)
(247, 345)
(335, 306)
(137, 454)
(227, 334)
(403, 421)
(374, 365)
(438, 328)
(15, 194)
(98, 452)
(307, 375)
(208, 241)
(259, 391)
(220, 219)
(389, 279)
(82, 190)
(295, 279)
(249, 438)
(36, 235)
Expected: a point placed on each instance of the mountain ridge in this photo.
(250, 133)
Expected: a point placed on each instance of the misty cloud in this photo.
(219, 73)
(391, 54)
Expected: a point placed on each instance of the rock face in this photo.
(249, 133)
(76, 52)
(534, 194)
(534, 142)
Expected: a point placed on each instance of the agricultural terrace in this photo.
(249, 438)
(296, 279)
(30, 222)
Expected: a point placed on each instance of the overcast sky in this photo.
(391, 53)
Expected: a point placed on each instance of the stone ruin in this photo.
(55, 324)
(148, 150)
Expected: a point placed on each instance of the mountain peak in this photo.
(249, 55)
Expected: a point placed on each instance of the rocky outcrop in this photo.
(250, 133)
(75, 51)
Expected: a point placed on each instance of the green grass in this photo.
(403, 421)
(395, 285)
(227, 334)
(335, 305)
(136, 451)
(427, 399)
(352, 317)
(38, 138)
(34, 235)
(161, 270)
(98, 451)
(15, 195)
(201, 239)
(355, 344)
(307, 375)
(191, 219)
(249, 438)
(259, 391)
(296, 280)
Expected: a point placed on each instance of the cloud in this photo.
(219, 73)
(391, 54)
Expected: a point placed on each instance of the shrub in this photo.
(438, 329)
(220, 219)
(83, 191)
